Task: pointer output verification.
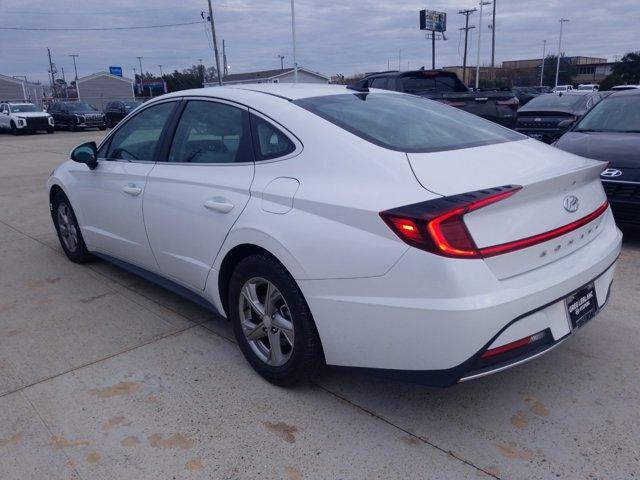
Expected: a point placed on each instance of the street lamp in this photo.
(562, 21)
(544, 53)
(73, 55)
(281, 57)
(479, 38)
(293, 34)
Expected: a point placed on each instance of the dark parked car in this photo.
(548, 116)
(117, 110)
(542, 89)
(77, 116)
(611, 132)
(446, 87)
(524, 94)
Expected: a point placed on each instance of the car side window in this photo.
(212, 132)
(380, 82)
(138, 137)
(268, 141)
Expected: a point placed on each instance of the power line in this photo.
(137, 27)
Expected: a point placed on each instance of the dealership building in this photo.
(17, 90)
(102, 87)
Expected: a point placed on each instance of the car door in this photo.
(195, 195)
(110, 197)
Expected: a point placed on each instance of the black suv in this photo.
(117, 110)
(77, 116)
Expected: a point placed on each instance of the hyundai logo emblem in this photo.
(571, 203)
(611, 173)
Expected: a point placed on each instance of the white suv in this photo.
(24, 117)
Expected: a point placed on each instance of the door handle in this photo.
(219, 204)
(132, 190)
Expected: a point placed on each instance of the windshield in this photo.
(24, 108)
(406, 123)
(79, 107)
(615, 114)
(554, 100)
(586, 87)
(130, 105)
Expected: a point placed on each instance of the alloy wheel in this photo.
(67, 228)
(266, 321)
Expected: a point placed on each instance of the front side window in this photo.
(268, 141)
(211, 132)
(406, 123)
(138, 137)
(614, 114)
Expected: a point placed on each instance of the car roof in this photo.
(287, 91)
(623, 93)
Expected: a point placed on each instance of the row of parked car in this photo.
(19, 117)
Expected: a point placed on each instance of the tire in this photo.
(50, 130)
(76, 250)
(14, 129)
(299, 360)
(102, 128)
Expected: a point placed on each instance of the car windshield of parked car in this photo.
(131, 105)
(79, 107)
(555, 100)
(406, 123)
(24, 108)
(615, 114)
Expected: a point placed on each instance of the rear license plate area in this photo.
(582, 305)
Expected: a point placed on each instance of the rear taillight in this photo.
(437, 226)
(512, 103)
(523, 342)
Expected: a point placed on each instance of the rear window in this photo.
(406, 123)
(555, 100)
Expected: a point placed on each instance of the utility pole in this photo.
(293, 33)
(201, 71)
(399, 57)
(562, 21)
(281, 57)
(161, 74)
(544, 56)
(466, 29)
(141, 81)
(479, 39)
(215, 44)
(73, 55)
(433, 50)
(493, 39)
(225, 68)
(53, 74)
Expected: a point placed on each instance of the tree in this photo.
(628, 68)
(567, 71)
(191, 77)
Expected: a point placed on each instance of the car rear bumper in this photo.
(546, 135)
(430, 319)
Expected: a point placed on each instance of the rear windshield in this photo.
(407, 123)
(79, 107)
(555, 100)
(417, 84)
(615, 114)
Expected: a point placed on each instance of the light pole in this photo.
(73, 55)
(293, 33)
(281, 57)
(544, 54)
(161, 74)
(479, 38)
(141, 83)
(562, 21)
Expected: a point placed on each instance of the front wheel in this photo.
(14, 129)
(272, 322)
(69, 234)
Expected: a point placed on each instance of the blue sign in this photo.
(115, 71)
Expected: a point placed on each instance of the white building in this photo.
(102, 87)
(285, 75)
(16, 90)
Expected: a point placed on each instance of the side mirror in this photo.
(86, 153)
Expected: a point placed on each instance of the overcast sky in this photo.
(334, 36)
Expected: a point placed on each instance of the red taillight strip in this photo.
(543, 237)
(505, 348)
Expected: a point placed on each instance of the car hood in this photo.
(31, 114)
(622, 150)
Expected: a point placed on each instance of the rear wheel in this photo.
(50, 130)
(272, 322)
(68, 230)
(14, 129)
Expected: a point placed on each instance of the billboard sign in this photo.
(115, 71)
(433, 21)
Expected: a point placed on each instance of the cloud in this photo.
(333, 36)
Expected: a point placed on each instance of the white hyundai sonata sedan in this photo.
(364, 229)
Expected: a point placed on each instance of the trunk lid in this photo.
(548, 177)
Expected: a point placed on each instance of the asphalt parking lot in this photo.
(104, 375)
